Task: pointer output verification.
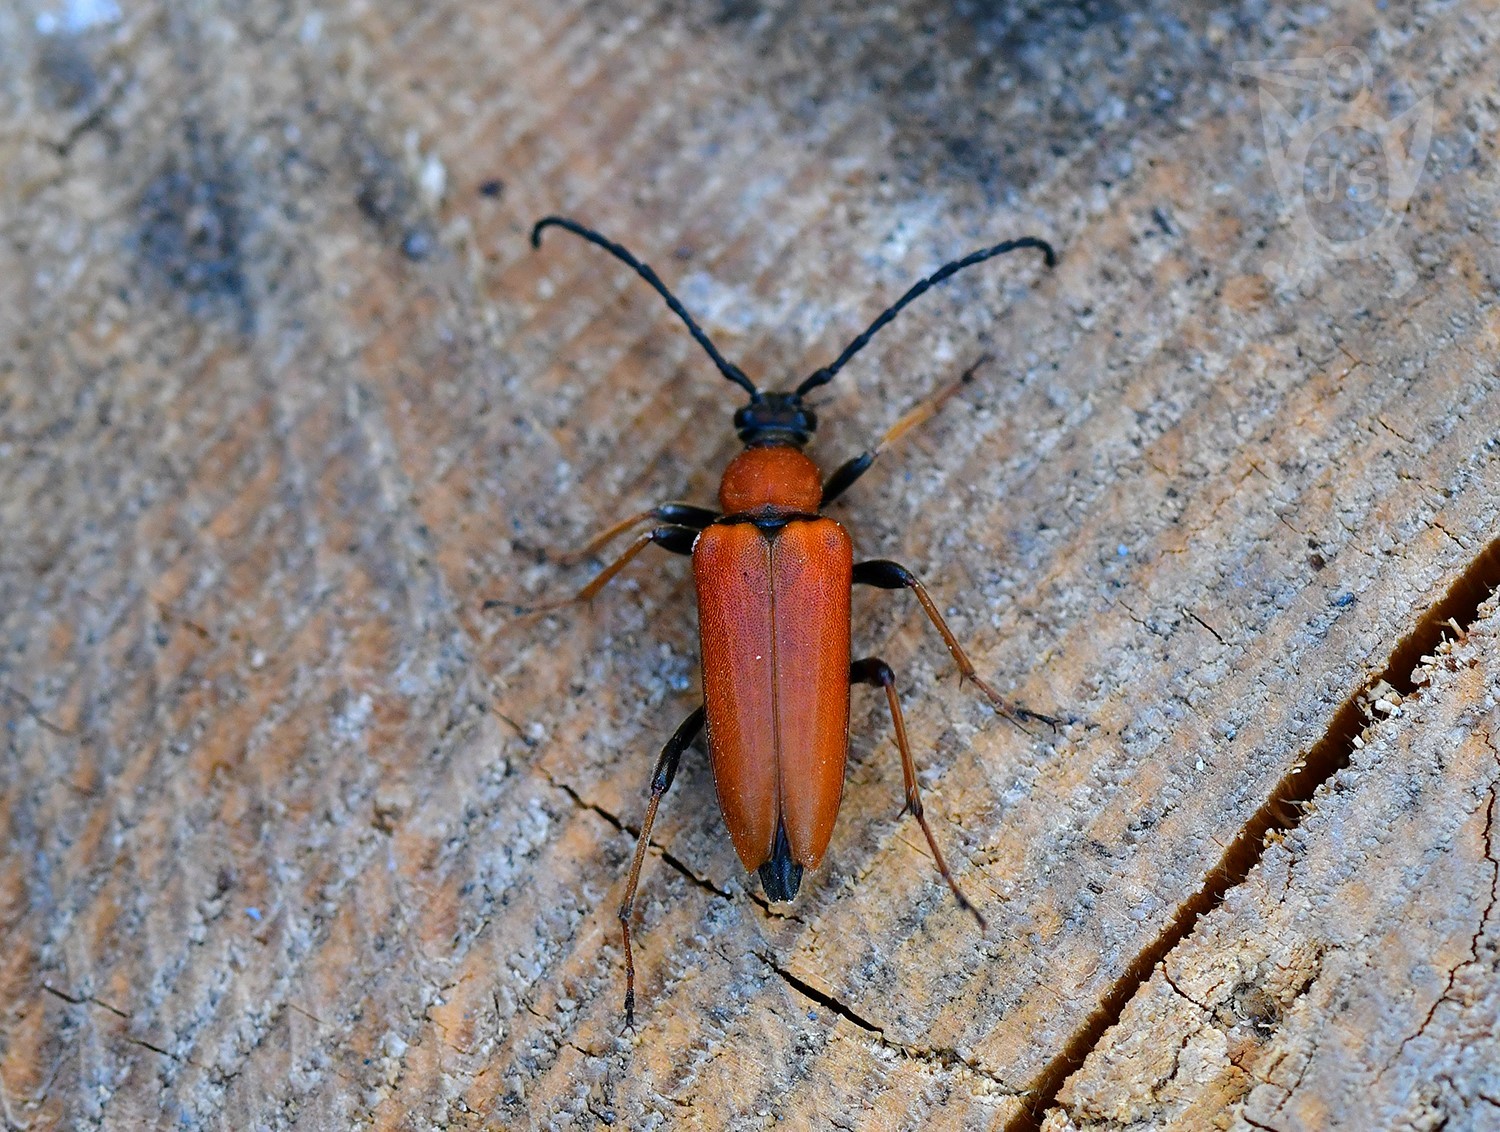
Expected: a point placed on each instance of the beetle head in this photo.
(775, 418)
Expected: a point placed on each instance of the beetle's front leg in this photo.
(661, 782)
(846, 473)
(887, 575)
(676, 514)
(679, 540)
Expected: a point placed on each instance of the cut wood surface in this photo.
(1351, 979)
(297, 834)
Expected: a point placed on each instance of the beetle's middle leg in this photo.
(893, 576)
(877, 673)
(661, 782)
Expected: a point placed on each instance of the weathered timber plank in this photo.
(295, 834)
(1351, 982)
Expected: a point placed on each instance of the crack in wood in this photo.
(35, 712)
(1204, 623)
(90, 1000)
(1282, 810)
(1484, 920)
(1289, 1093)
(614, 820)
(1257, 1124)
(1208, 1011)
(946, 1058)
(84, 1000)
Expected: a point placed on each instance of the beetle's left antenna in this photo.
(727, 368)
(825, 375)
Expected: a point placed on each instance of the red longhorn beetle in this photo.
(773, 576)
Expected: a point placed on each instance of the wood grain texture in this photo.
(295, 834)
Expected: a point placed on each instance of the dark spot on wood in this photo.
(985, 92)
(67, 74)
(387, 197)
(1257, 1007)
(191, 229)
(737, 11)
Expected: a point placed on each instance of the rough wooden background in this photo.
(294, 835)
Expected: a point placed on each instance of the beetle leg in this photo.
(893, 576)
(845, 474)
(677, 514)
(877, 673)
(677, 539)
(661, 782)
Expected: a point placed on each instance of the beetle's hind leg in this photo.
(893, 576)
(877, 673)
(661, 782)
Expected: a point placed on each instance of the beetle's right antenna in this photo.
(825, 375)
(727, 368)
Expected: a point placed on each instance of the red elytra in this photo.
(773, 576)
(773, 622)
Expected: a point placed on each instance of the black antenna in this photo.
(728, 369)
(826, 374)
